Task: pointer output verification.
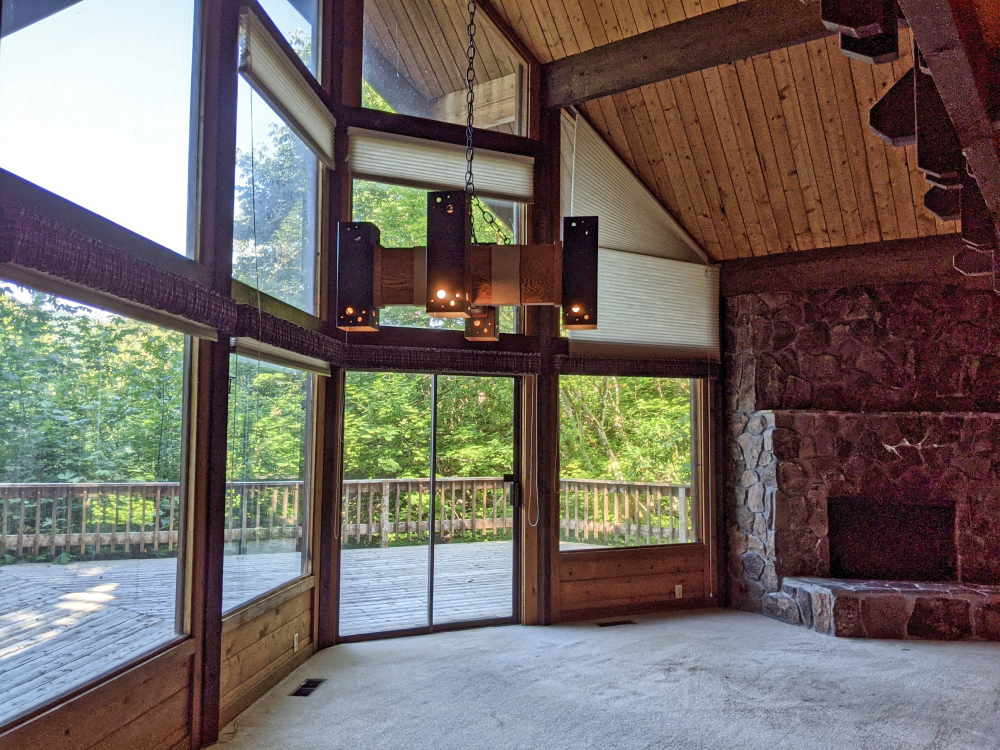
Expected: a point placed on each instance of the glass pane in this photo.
(97, 108)
(415, 63)
(474, 533)
(386, 502)
(90, 466)
(400, 213)
(625, 447)
(275, 235)
(267, 495)
(297, 21)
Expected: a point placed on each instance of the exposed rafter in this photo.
(957, 56)
(705, 41)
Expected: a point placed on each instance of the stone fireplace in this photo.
(865, 460)
(883, 540)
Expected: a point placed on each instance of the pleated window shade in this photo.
(267, 68)
(403, 160)
(595, 182)
(652, 307)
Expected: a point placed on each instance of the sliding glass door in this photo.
(409, 438)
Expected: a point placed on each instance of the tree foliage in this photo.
(629, 429)
(86, 396)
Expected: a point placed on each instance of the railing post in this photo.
(683, 513)
(384, 525)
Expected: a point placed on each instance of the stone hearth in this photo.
(865, 394)
(892, 609)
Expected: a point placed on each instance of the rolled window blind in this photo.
(602, 185)
(403, 160)
(654, 308)
(267, 68)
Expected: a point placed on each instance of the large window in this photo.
(97, 107)
(275, 233)
(90, 506)
(267, 492)
(400, 213)
(297, 20)
(625, 462)
(415, 63)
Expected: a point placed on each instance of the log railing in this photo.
(42, 520)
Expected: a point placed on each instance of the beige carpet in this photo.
(711, 679)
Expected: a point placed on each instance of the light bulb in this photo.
(441, 294)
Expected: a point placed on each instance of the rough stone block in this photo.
(753, 566)
(987, 620)
(804, 600)
(822, 612)
(781, 607)
(941, 619)
(884, 616)
(769, 578)
(792, 478)
(847, 616)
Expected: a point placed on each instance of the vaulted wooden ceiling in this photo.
(767, 155)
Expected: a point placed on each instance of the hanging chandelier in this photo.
(463, 278)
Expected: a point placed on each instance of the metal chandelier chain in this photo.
(470, 99)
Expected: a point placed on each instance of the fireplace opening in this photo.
(891, 541)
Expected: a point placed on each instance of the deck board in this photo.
(64, 625)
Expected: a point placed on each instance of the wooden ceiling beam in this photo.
(965, 72)
(705, 41)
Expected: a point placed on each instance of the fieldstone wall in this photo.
(866, 391)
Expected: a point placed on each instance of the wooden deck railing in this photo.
(626, 513)
(141, 518)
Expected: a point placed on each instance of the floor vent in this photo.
(612, 623)
(307, 687)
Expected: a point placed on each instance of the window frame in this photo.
(702, 468)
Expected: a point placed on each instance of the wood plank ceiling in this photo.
(424, 41)
(767, 155)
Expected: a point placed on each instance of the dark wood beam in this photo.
(433, 130)
(965, 71)
(722, 36)
(924, 259)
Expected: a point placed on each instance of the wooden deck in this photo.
(62, 625)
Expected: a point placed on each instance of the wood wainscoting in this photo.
(147, 705)
(258, 644)
(608, 582)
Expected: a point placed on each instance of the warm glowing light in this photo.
(441, 294)
(575, 308)
(586, 317)
(452, 303)
(476, 323)
(350, 311)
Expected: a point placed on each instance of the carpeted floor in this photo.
(712, 679)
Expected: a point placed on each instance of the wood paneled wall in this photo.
(618, 581)
(258, 648)
(147, 706)
(771, 154)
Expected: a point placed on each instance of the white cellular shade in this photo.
(402, 160)
(597, 183)
(268, 69)
(652, 307)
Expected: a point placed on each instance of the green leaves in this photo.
(86, 395)
(629, 429)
